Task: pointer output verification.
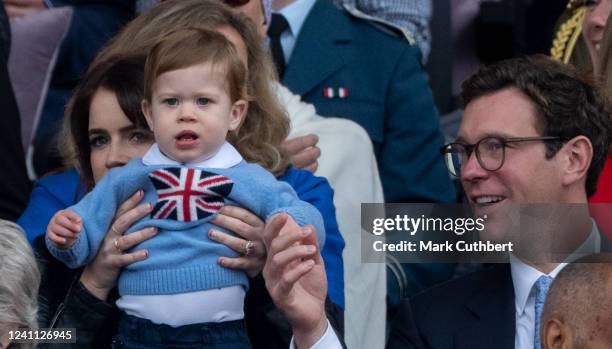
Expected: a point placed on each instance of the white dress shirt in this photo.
(329, 340)
(295, 14)
(524, 278)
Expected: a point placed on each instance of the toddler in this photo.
(194, 83)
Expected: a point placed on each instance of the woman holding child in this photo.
(102, 272)
(194, 82)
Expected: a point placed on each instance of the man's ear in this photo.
(578, 156)
(146, 110)
(556, 335)
(238, 113)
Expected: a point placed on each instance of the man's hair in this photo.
(580, 295)
(566, 105)
(187, 47)
(19, 280)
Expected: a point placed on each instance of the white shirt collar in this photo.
(525, 276)
(226, 157)
(296, 14)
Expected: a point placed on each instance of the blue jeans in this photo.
(137, 333)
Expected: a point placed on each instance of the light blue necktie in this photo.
(541, 288)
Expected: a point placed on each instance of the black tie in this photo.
(278, 24)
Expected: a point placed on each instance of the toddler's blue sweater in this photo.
(181, 257)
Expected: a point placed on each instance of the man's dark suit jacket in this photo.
(388, 95)
(476, 311)
(472, 312)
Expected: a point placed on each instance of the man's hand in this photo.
(303, 151)
(20, 8)
(295, 277)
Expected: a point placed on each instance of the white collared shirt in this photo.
(524, 278)
(329, 340)
(295, 14)
(227, 156)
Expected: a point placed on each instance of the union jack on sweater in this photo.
(188, 194)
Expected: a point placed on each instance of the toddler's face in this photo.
(190, 112)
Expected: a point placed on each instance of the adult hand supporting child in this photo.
(100, 276)
(248, 240)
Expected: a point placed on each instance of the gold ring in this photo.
(248, 248)
(116, 243)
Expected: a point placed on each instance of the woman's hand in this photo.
(100, 276)
(248, 242)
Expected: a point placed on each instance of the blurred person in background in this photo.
(584, 39)
(19, 281)
(94, 22)
(411, 17)
(14, 183)
(578, 309)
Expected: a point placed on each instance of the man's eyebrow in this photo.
(460, 139)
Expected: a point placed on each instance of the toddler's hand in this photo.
(64, 228)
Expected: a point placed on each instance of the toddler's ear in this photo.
(237, 114)
(146, 110)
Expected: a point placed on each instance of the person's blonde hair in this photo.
(266, 125)
(19, 281)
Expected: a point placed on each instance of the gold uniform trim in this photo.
(567, 35)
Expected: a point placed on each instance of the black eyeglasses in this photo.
(490, 152)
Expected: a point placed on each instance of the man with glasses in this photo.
(532, 133)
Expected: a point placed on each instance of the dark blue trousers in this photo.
(137, 333)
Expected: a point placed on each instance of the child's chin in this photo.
(182, 156)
